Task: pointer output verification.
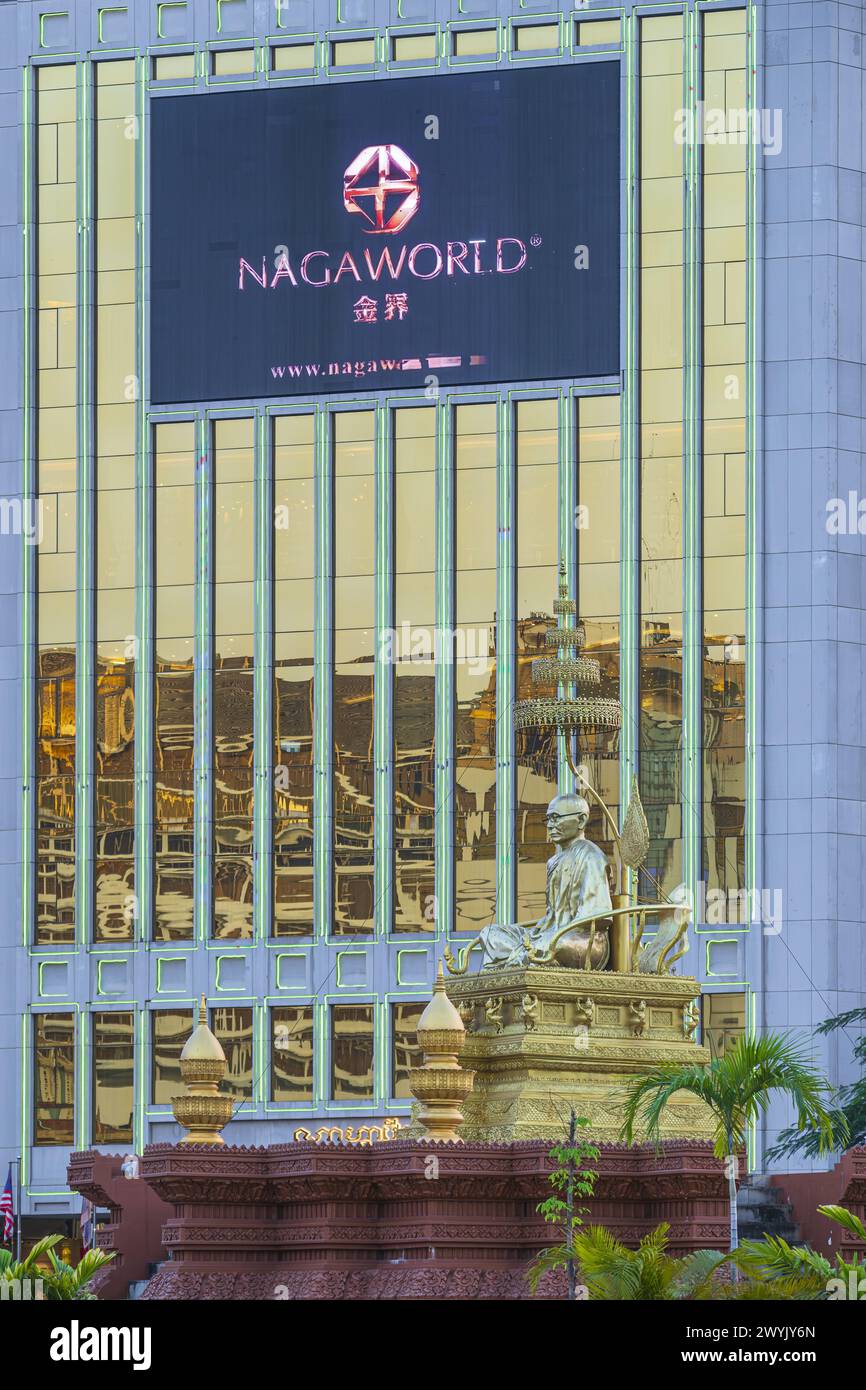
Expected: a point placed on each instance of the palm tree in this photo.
(737, 1089)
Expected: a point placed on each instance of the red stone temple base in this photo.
(135, 1220)
(403, 1219)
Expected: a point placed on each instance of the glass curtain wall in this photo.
(55, 521)
(724, 474)
(661, 449)
(412, 649)
(115, 395)
(294, 624)
(174, 680)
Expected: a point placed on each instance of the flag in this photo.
(86, 1224)
(7, 1207)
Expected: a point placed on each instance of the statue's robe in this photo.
(577, 887)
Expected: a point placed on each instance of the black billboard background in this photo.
(519, 154)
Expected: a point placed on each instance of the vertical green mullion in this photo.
(506, 645)
(84, 654)
(383, 701)
(567, 489)
(81, 1113)
(30, 487)
(445, 673)
(692, 491)
(629, 449)
(752, 867)
(144, 502)
(263, 680)
(323, 680)
(203, 685)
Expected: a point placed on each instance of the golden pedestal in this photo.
(541, 1040)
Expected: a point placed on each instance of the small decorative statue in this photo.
(637, 1012)
(658, 955)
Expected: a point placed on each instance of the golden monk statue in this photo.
(577, 890)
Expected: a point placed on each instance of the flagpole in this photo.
(17, 1163)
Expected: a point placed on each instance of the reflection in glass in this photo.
(406, 1051)
(724, 463)
(170, 1029)
(113, 1062)
(56, 421)
(355, 616)
(174, 689)
(115, 365)
(233, 1028)
(475, 666)
(292, 1053)
(53, 1079)
(412, 650)
(536, 447)
(234, 574)
(352, 1052)
(661, 442)
(598, 586)
(294, 621)
(724, 1021)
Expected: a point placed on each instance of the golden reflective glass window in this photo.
(723, 1021)
(230, 62)
(535, 37)
(724, 194)
(293, 57)
(406, 1051)
(352, 1051)
(471, 43)
(170, 1030)
(353, 53)
(233, 1028)
(113, 1071)
(419, 48)
(54, 1079)
(292, 1054)
(174, 683)
(536, 446)
(174, 65)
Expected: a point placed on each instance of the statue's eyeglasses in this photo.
(555, 818)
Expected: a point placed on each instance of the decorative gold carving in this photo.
(493, 1014)
(637, 1016)
(528, 1011)
(691, 1019)
(527, 1078)
(584, 1011)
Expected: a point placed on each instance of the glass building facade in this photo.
(270, 647)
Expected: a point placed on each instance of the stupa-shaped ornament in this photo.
(204, 1110)
(441, 1084)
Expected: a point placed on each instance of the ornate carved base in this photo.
(541, 1039)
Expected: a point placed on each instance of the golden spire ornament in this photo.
(204, 1111)
(440, 1084)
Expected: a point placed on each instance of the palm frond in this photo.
(774, 1258)
(845, 1218)
(697, 1271)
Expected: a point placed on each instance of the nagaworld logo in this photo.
(381, 185)
(397, 178)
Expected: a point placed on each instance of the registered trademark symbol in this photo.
(535, 240)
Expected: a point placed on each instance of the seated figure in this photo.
(577, 888)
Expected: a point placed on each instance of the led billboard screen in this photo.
(378, 234)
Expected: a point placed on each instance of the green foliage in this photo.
(737, 1088)
(848, 1115)
(61, 1281)
(571, 1176)
(773, 1261)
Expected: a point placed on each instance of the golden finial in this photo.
(204, 1110)
(440, 1084)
